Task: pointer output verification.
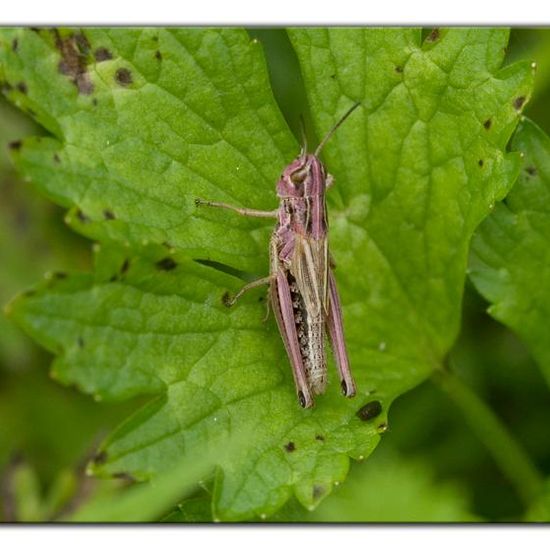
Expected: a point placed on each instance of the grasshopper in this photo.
(302, 288)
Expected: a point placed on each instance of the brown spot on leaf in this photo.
(56, 158)
(531, 170)
(123, 77)
(319, 437)
(158, 55)
(487, 124)
(81, 216)
(398, 69)
(100, 458)
(125, 266)
(480, 162)
(102, 54)
(22, 87)
(94, 101)
(369, 411)
(518, 102)
(113, 278)
(74, 50)
(166, 264)
(108, 214)
(15, 145)
(15, 44)
(290, 447)
(318, 491)
(433, 36)
(59, 275)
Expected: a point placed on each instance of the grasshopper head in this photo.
(303, 177)
(306, 177)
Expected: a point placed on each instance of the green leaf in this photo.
(511, 251)
(146, 120)
(416, 170)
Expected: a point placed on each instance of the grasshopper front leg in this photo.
(242, 211)
(253, 284)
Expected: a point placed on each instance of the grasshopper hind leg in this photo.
(336, 335)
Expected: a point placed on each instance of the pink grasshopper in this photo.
(302, 287)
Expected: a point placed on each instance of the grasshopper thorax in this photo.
(304, 177)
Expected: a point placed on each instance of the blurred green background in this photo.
(430, 466)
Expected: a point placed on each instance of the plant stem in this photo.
(512, 460)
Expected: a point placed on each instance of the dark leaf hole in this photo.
(102, 54)
(123, 77)
(167, 264)
(430, 35)
(100, 458)
(518, 102)
(369, 411)
(290, 447)
(81, 216)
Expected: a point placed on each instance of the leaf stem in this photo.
(509, 456)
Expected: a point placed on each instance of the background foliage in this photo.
(448, 456)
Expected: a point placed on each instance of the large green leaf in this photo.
(146, 120)
(511, 251)
(419, 167)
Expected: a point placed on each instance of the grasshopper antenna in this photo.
(335, 127)
(303, 152)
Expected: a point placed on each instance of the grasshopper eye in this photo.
(298, 176)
